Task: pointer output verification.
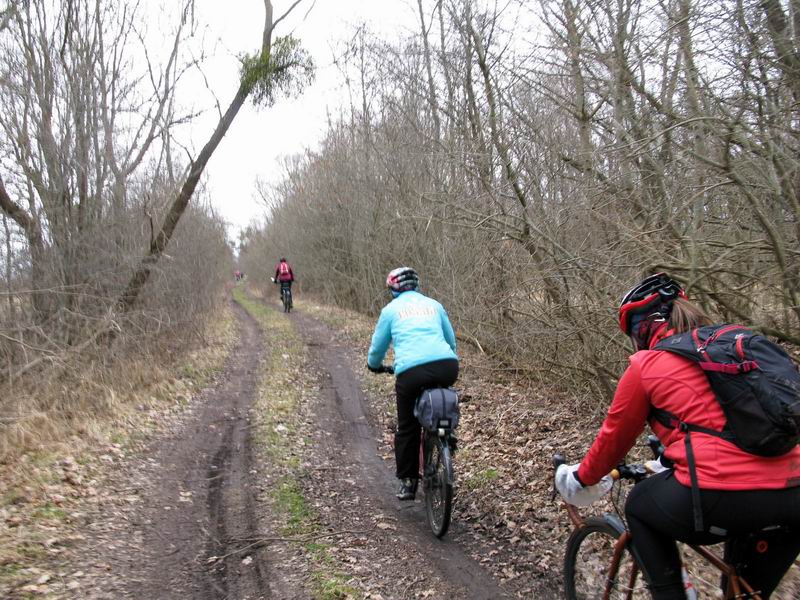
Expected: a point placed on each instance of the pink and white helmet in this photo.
(402, 279)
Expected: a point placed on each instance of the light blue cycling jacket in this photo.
(419, 328)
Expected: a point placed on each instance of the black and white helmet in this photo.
(402, 279)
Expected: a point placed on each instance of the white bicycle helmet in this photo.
(402, 279)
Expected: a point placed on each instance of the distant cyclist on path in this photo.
(283, 275)
(424, 357)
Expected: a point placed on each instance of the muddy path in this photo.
(349, 466)
(210, 463)
(173, 526)
(197, 513)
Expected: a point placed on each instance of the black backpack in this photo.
(756, 383)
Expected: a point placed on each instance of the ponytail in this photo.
(686, 315)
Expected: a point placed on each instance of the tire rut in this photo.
(202, 502)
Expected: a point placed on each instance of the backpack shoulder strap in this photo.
(671, 421)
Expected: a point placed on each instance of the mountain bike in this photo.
(599, 562)
(286, 298)
(436, 450)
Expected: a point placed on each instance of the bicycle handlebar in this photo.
(635, 472)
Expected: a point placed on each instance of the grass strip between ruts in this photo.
(285, 389)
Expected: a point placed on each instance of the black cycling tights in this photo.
(409, 385)
(659, 511)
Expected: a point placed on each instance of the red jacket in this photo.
(665, 380)
(283, 275)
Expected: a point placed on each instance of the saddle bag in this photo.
(437, 408)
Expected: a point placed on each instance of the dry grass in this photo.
(81, 400)
(65, 428)
(287, 390)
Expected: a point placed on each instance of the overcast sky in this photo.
(258, 138)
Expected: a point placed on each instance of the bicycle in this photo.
(598, 560)
(438, 476)
(286, 298)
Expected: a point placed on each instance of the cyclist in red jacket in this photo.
(283, 274)
(740, 493)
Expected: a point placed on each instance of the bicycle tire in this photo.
(285, 300)
(587, 561)
(438, 485)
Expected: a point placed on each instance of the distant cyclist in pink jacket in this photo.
(284, 274)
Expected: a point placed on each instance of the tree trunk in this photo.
(176, 210)
(12, 317)
(33, 234)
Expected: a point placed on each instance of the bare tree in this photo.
(537, 159)
(265, 74)
(67, 103)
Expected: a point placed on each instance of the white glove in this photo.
(656, 466)
(576, 494)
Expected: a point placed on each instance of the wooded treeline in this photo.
(112, 256)
(533, 160)
(90, 164)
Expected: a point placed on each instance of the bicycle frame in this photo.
(286, 295)
(736, 584)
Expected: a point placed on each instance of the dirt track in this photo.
(180, 516)
(415, 560)
(179, 505)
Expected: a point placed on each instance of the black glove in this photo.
(375, 369)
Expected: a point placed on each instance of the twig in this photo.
(106, 327)
(265, 540)
(472, 340)
(22, 343)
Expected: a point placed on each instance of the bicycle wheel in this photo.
(438, 484)
(587, 563)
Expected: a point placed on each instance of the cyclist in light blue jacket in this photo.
(424, 357)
